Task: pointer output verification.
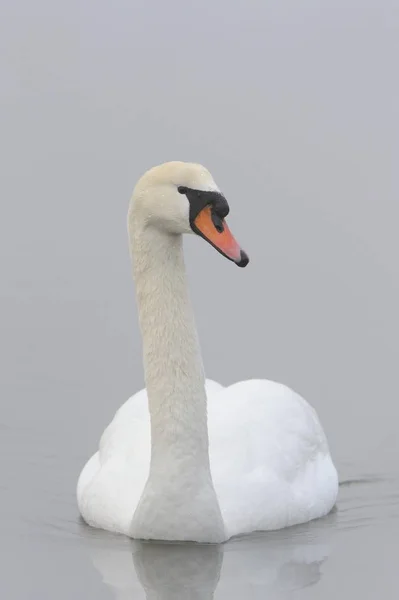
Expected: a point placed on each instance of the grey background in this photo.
(293, 106)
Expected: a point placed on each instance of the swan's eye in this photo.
(182, 189)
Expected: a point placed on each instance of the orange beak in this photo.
(215, 231)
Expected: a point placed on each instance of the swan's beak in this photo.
(215, 231)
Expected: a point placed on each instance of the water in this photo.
(49, 552)
(293, 106)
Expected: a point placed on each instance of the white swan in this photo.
(267, 464)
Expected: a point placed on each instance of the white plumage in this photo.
(270, 465)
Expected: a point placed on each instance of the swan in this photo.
(186, 459)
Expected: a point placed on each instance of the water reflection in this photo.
(275, 562)
(170, 572)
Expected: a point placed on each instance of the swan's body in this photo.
(269, 461)
(267, 464)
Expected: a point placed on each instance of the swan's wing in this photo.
(111, 482)
(270, 461)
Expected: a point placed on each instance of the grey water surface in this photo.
(293, 106)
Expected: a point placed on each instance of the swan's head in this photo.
(178, 198)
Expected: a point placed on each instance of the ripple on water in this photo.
(367, 500)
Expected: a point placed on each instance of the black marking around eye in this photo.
(198, 199)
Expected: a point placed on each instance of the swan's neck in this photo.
(172, 358)
(179, 470)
